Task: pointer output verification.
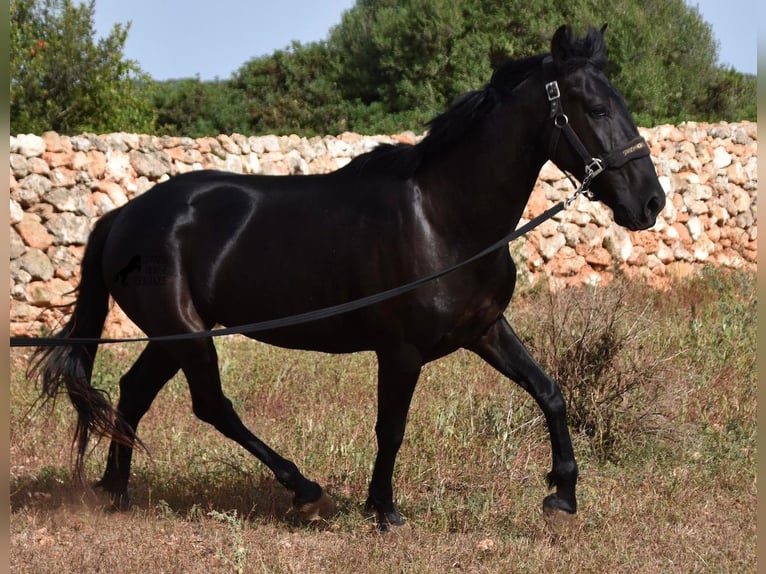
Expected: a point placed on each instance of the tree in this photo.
(192, 108)
(732, 96)
(293, 91)
(423, 53)
(391, 65)
(62, 79)
(662, 57)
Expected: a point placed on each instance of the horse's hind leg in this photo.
(502, 349)
(199, 362)
(138, 388)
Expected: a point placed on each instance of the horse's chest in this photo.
(471, 310)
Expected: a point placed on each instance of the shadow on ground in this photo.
(257, 498)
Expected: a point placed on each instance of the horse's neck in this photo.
(483, 187)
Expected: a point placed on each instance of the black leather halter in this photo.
(594, 165)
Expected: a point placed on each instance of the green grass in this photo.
(661, 393)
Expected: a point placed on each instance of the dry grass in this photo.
(676, 497)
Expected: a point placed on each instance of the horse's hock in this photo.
(60, 185)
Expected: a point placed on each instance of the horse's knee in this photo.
(389, 436)
(553, 404)
(219, 413)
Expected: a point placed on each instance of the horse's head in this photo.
(599, 132)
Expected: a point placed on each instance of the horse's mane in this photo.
(452, 125)
(449, 127)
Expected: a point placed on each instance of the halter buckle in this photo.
(552, 89)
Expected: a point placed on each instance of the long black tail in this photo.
(72, 365)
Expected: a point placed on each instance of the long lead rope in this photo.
(309, 316)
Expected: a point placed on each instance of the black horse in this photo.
(239, 249)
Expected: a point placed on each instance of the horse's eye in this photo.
(598, 112)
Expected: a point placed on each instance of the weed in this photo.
(601, 351)
(164, 510)
(721, 316)
(237, 558)
(195, 513)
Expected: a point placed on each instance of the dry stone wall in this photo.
(60, 185)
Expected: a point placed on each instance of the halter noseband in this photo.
(635, 148)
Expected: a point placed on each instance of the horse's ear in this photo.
(498, 57)
(596, 44)
(561, 44)
(603, 29)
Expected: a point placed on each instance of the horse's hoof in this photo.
(386, 515)
(559, 521)
(390, 528)
(318, 509)
(559, 515)
(556, 502)
(388, 521)
(120, 501)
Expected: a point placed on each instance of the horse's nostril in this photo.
(655, 204)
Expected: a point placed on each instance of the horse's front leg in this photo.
(502, 349)
(398, 374)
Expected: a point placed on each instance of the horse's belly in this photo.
(318, 337)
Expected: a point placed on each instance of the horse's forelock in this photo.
(571, 52)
